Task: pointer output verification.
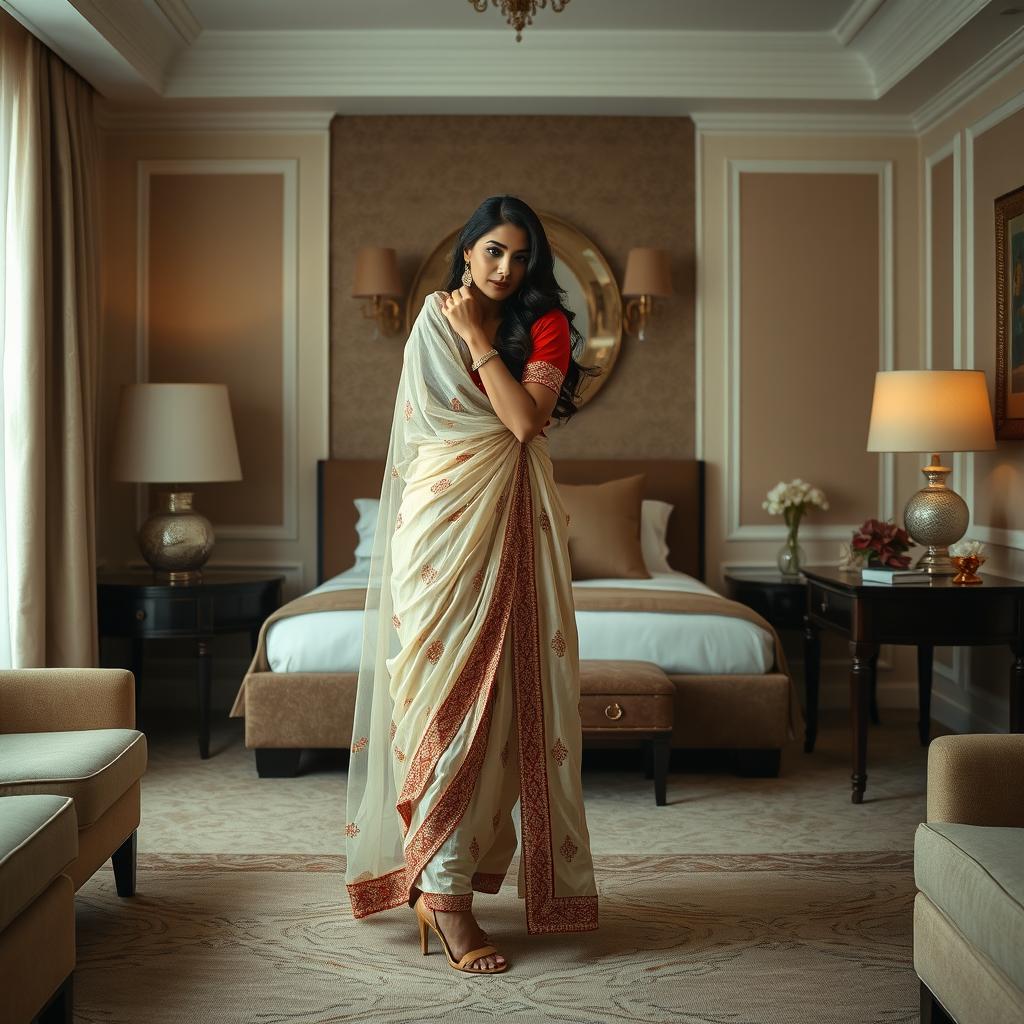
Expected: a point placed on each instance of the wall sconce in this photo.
(376, 278)
(647, 277)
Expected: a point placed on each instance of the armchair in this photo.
(969, 870)
(71, 732)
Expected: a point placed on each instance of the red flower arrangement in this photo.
(881, 543)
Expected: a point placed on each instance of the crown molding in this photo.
(857, 15)
(1007, 55)
(766, 65)
(147, 41)
(746, 123)
(903, 33)
(181, 18)
(114, 121)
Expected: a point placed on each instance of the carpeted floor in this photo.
(744, 900)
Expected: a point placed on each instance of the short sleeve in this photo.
(549, 360)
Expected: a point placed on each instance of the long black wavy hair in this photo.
(538, 294)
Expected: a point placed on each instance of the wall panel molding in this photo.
(287, 529)
(735, 530)
(952, 148)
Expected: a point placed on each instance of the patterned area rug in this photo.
(744, 901)
(688, 939)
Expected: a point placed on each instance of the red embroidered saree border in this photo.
(376, 894)
(545, 912)
(449, 810)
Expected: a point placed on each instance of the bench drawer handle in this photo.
(613, 711)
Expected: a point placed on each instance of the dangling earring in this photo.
(467, 276)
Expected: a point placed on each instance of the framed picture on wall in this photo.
(1010, 315)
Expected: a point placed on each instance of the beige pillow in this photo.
(604, 529)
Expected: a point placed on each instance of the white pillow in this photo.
(654, 516)
(366, 526)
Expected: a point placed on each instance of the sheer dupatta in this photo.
(470, 554)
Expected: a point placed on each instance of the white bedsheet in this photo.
(691, 644)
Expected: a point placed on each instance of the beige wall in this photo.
(807, 339)
(985, 140)
(808, 283)
(407, 182)
(214, 268)
(215, 312)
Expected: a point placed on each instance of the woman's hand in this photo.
(463, 312)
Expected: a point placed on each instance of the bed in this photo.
(732, 691)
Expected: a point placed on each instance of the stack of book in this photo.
(889, 577)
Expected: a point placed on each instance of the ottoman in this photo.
(630, 701)
(38, 842)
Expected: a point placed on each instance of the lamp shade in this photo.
(647, 273)
(376, 273)
(175, 433)
(930, 411)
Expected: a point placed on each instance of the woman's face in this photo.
(498, 260)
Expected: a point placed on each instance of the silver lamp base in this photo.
(936, 517)
(176, 540)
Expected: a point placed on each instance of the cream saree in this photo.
(468, 691)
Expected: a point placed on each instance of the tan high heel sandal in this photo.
(430, 922)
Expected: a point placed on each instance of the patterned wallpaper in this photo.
(406, 182)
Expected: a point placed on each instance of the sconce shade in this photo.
(175, 433)
(376, 273)
(930, 411)
(647, 273)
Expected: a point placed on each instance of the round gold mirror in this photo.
(590, 292)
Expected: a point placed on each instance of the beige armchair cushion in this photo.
(59, 699)
(976, 875)
(94, 766)
(977, 779)
(38, 840)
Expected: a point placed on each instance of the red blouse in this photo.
(549, 359)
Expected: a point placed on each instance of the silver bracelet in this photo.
(483, 359)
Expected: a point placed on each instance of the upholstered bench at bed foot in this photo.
(630, 701)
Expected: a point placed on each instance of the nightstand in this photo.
(138, 606)
(782, 600)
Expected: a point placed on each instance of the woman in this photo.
(468, 692)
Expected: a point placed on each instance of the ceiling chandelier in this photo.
(519, 13)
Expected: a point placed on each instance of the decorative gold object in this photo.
(967, 566)
(377, 279)
(176, 540)
(520, 13)
(168, 433)
(924, 410)
(584, 273)
(647, 277)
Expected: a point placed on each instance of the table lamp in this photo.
(170, 434)
(932, 411)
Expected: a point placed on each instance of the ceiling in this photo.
(606, 15)
(864, 65)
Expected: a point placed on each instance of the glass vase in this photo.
(791, 558)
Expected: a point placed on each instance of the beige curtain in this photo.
(49, 336)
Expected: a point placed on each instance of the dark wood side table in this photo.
(922, 614)
(782, 600)
(136, 605)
